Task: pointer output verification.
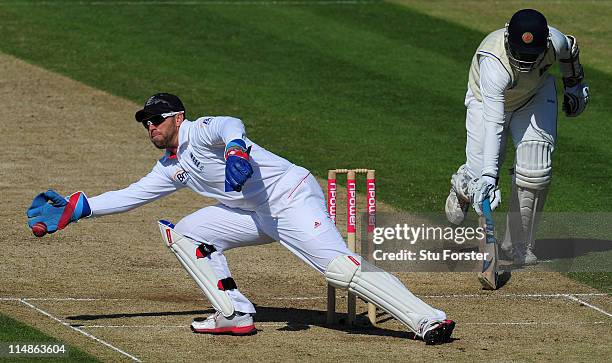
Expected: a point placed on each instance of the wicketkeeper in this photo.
(510, 90)
(261, 198)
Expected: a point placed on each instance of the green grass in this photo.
(589, 21)
(374, 85)
(15, 332)
(598, 280)
(323, 85)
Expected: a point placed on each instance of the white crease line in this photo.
(133, 326)
(62, 299)
(536, 323)
(488, 296)
(80, 331)
(470, 323)
(574, 298)
(73, 299)
(494, 295)
(591, 294)
(299, 298)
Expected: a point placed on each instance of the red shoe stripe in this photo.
(229, 329)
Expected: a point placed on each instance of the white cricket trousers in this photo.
(536, 121)
(295, 215)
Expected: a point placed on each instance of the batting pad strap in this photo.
(185, 250)
(204, 250)
(227, 284)
(533, 168)
(383, 290)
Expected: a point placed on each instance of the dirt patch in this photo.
(59, 133)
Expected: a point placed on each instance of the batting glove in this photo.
(481, 189)
(575, 99)
(60, 212)
(237, 166)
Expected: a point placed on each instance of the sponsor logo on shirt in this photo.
(207, 120)
(195, 161)
(182, 176)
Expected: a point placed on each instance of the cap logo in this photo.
(527, 37)
(151, 101)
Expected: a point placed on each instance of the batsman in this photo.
(261, 198)
(511, 91)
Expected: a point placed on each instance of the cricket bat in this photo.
(488, 275)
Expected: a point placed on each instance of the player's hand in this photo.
(575, 99)
(55, 211)
(481, 189)
(237, 166)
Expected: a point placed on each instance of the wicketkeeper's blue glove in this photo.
(60, 212)
(237, 166)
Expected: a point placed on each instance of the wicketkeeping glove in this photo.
(237, 166)
(575, 99)
(60, 212)
(481, 189)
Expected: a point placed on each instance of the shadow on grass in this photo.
(549, 249)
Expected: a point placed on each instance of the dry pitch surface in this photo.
(111, 287)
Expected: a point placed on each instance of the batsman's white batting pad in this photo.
(383, 290)
(533, 169)
(184, 249)
(526, 205)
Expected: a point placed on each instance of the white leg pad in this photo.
(531, 205)
(184, 248)
(533, 169)
(533, 174)
(383, 290)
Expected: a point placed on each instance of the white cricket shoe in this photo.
(237, 324)
(524, 256)
(456, 210)
(530, 257)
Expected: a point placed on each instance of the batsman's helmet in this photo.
(527, 38)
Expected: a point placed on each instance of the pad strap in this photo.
(227, 284)
(204, 250)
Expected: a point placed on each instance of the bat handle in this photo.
(486, 207)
